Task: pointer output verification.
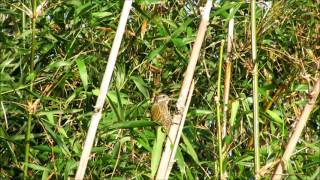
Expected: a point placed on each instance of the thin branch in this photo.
(96, 116)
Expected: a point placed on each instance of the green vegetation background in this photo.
(72, 44)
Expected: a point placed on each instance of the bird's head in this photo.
(162, 98)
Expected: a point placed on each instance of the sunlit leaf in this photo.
(101, 14)
(275, 116)
(156, 151)
(189, 149)
(83, 72)
(141, 85)
(132, 124)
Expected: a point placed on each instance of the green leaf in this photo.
(49, 116)
(155, 53)
(114, 97)
(71, 164)
(189, 149)
(150, 2)
(178, 42)
(96, 91)
(156, 151)
(31, 76)
(144, 143)
(83, 73)
(175, 34)
(46, 148)
(234, 111)
(301, 87)
(180, 162)
(141, 85)
(233, 11)
(36, 167)
(121, 111)
(226, 6)
(59, 64)
(275, 116)
(245, 161)
(203, 112)
(45, 48)
(19, 137)
(114, 109)
(45, 175)
(5, 77)
(62, 132)
(57, 139)
(189, 174)
(132, 124)
(134, 110)
(101, 14)
(227, 140)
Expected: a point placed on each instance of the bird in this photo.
(160, 112)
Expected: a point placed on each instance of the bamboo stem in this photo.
(297, 131)
(30, 99)
(167, 173)
(164, 167)
(227, 81)
(33, 41)
(96, 116)
(227, 77)
(22, 71)
(255, 90)
(218, 111)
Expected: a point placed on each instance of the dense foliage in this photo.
(56, 86)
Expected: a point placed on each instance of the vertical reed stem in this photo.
(218, 111)
(227, 80)
(31, 69)
(24, 45)
(255, 90)
(227, 77)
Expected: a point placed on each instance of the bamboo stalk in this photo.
(227, 77)
(164, 167)
(297, 131)
(255, 90)
(24, 45)
(227, 81)
(30, 99)
(218, 112)
(167, 173)
(96, 116)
